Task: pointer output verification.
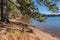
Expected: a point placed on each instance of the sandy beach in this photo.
(13, 32)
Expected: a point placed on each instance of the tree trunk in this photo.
(4, 14)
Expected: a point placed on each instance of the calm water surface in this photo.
(51, 25)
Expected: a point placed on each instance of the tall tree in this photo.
(4, 13)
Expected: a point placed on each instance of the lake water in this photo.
(51, 25)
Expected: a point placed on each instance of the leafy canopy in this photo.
(28, 8)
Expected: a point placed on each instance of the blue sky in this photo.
(43, 9)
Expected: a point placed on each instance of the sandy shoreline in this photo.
(20, 20)
(13, 31)
(47, 31)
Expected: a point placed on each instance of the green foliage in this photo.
(27, 1)
(10, 6)
(12, 9)
(51, 6)
(28, 9)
